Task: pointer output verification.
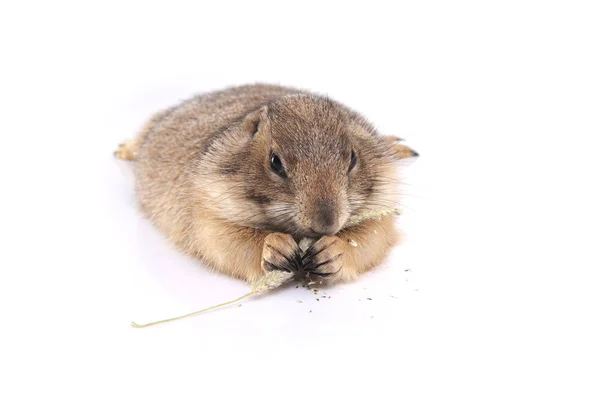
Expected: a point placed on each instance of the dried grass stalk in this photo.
(136, 325)
(270, 281)
(305, 243)
(266, 283)
(275, 279)
(372, 214)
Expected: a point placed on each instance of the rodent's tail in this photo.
(126, 150)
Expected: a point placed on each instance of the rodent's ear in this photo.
(399, 151)
(253, 120)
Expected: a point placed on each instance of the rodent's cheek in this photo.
(245, 215)
(282, 214)
(356, 201)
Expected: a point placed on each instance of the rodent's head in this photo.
(302, 165)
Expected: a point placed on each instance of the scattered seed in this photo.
(368, 298)
(393, 297)
(317, 299)
(298, 301)
(329, 297)
(372, 317)
(310, 311)
(297, 286)
(239, 305)
(323, 297)
(408, 270)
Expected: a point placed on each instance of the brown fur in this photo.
(204, 178)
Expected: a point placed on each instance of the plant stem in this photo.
(136, 325)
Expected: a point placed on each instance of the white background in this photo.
(502, 100)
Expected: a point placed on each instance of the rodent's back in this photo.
(174, 138)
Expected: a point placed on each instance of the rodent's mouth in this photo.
(310, 233)
(306, 233)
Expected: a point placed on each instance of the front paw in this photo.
(324, 259)
(280, 252)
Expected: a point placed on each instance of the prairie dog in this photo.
(238, 176)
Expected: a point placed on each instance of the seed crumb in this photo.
(352, 243)
(317, 299)
(393, 297)
(297, 286)
(310, 311)
(329, 297)
(368, 298)
(239, 305)
(372, 317)
(298, 301)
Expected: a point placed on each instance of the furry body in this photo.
(237, 177)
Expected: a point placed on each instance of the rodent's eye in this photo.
(352, 161)
(276, 165)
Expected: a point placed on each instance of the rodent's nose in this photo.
(325, 220)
